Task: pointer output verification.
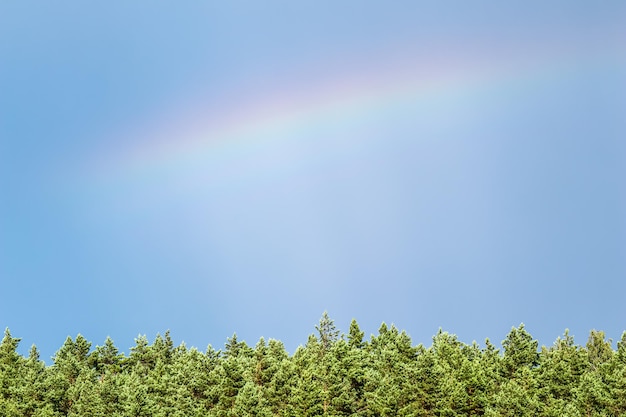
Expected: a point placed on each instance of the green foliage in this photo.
(520, 351)
(559, 373)
(328, 333)
(333, 374)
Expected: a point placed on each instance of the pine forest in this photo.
(332, 374)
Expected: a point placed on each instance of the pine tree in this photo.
(390, 388)
(280, 370)
(355, 336)
(599, 349)
(70, 361)
(616, 379)
(162, 348)
(561, 367)
(10, 375)
(328, 333)
(232, 371)
(492, 369)
(355, 363)
(425, 382)
(106, 359)
(141, 356)
(32, 399)
(520, 351)
(188, 379)
(307, 398)
(452, 396)
(234, 348)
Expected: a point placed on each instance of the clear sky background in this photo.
(243, 166)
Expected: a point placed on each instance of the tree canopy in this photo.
(332, 374)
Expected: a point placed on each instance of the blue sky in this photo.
(240, 166)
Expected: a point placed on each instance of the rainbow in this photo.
(256, 123)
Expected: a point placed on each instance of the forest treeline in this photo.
(332, 374)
